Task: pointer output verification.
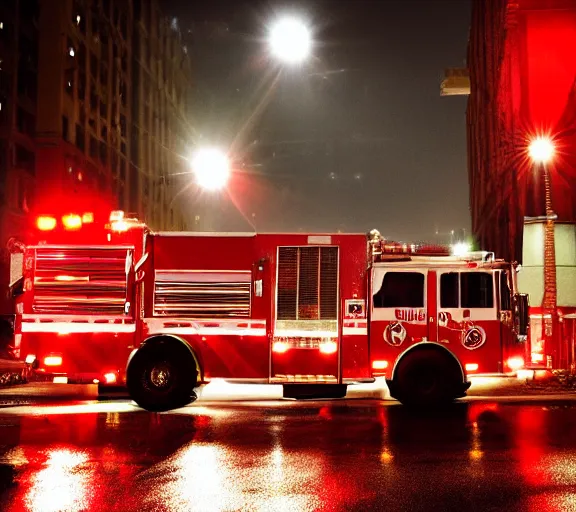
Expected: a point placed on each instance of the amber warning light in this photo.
(46, 223)
(72, 221)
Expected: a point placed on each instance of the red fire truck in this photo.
(314, 313)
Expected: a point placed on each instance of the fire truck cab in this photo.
(316, 313)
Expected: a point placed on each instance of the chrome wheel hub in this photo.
(160, 376)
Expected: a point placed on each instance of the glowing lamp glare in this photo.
(541, 150)
(515, 363)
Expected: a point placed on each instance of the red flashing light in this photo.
(110, 378)
(471, 367)
(279, 347)
(328, 347)
(45, 223)
(88, 218)
(72, 221)
(53, 361)
(515, 363)
(379, 365)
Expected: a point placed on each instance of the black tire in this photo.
(314, 391)
(162, 376)
(427, 378)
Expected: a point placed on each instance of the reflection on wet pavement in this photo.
(270, 456)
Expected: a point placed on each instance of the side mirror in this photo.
(522, 316)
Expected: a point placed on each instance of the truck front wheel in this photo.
(162, 376)
(427, 377)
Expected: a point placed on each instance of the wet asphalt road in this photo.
(282, 456)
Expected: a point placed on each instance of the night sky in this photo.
(357, 138)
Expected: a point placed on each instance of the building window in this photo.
(24, 159)
(78, 17)
(25, 122)
(4, 110)
(103, 153)
(80, 142)
(93, 65)
(93, 147)
(401, 290)
(65, 125)
(69, 82)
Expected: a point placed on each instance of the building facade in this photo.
(522, 85)
(94, 112)
(522, 71)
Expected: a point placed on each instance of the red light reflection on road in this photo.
(64, 483)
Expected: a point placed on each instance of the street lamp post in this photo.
(541, 151)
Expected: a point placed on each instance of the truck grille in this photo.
(76, 281)
(202, 295)
(307, 287)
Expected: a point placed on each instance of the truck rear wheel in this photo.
(427, 377)
(314, 391)
(162, 376)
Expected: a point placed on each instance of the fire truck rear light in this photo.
(53, 361)
(110, 378)
(45, 223)
(88, 218)
(30, 358)
(279, 347)
(379, 365)
(72, 221)
(515, 363)
(471, 367)
(537, 357)
(328, 347)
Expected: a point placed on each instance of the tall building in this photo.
(162, 132)
(522, 75)
(94, 111)
(522, 85)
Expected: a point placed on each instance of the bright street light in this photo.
(541, 150)
(290, 40)
(211, 167)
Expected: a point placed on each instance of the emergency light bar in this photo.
(390, 250)
(69, 221)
